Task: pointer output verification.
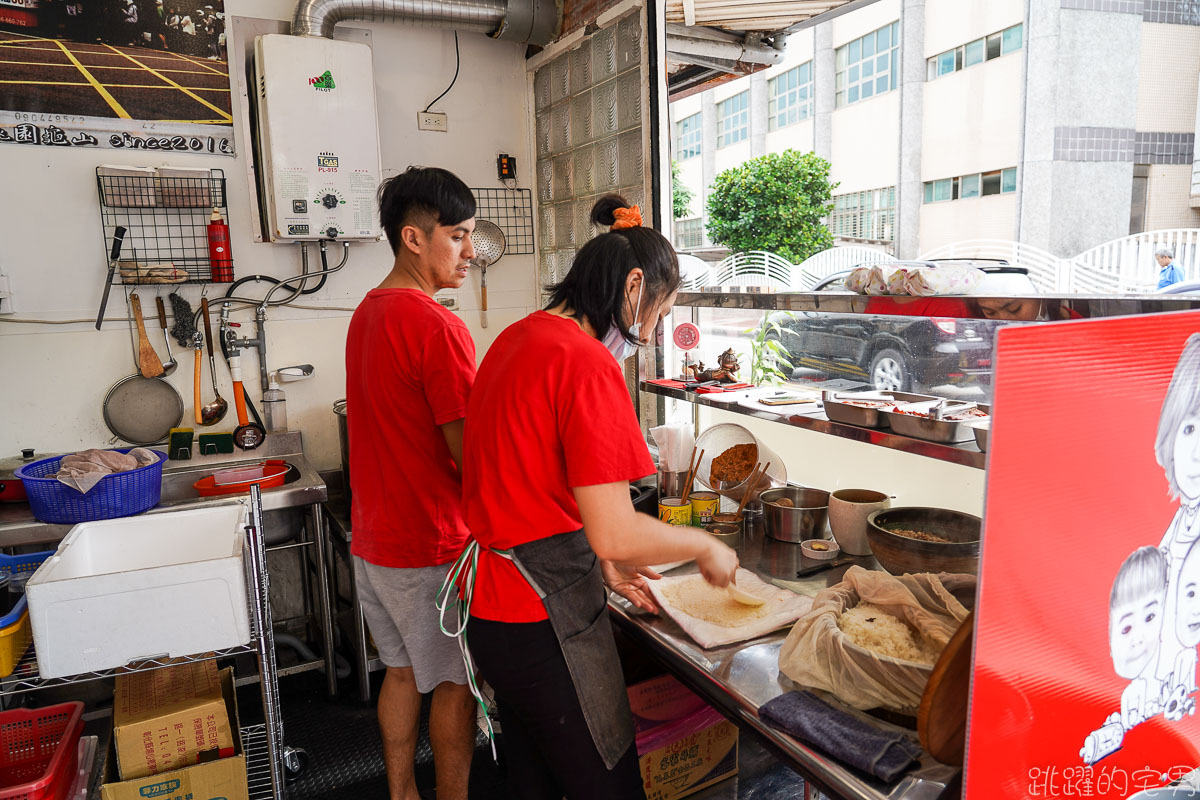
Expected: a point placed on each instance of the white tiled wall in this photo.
(1167, 193)
(1167, 75)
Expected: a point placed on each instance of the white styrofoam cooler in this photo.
(121, 590)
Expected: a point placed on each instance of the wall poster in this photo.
(116, 74)
(1084, 681)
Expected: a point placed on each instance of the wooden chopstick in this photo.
(751, 482)
(691, 476)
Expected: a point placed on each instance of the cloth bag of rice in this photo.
(818, 653)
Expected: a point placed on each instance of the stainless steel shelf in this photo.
(850, 303)
(258, 762)
(967, 454)
(25, 678)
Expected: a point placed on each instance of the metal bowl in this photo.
(804, 519)
(981, 436)
(900, 554)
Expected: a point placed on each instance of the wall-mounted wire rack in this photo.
(512, 210)
(166, 213)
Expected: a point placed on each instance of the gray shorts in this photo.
(398, 605)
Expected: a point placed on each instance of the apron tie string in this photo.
(466, 567)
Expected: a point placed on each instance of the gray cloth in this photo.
(398, 604)
(83, 470)
(886, 755)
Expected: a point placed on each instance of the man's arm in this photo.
(453, 431)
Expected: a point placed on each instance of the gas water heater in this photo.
(318, 137)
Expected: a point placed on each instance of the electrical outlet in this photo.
(432, 121)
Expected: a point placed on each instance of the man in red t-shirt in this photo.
(410, 364)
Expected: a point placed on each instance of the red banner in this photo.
(1089, 610)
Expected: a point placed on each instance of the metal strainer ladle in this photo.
(488, 242)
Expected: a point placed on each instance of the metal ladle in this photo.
(214, 412)
(169, 365)
(489, 244)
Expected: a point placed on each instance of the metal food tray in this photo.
(867, 417)
(933, 430)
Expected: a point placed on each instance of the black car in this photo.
(892, 348)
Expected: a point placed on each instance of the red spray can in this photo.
(220, 259)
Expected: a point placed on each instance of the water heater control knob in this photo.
(329, 201)
(332, 232)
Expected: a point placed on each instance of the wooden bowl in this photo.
(900, 554)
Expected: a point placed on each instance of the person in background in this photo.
(552, 443)
(1027, 309)
(410, 364)
(1168, 272)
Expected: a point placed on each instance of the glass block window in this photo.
(864, 215)
(689, 233)
(867, 66)
(791, 97)
(688, 135)
(733, 119)
(998, 44)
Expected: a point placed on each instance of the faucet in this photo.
(233, 343)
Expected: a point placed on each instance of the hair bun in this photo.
(602, 212)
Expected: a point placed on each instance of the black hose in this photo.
(268, 279)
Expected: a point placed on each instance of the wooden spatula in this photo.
(942, 716)
(149, 363)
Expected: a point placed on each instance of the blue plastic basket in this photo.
(20, 565)
(118, 495)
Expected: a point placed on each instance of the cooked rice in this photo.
(874, 629)
(920, 535)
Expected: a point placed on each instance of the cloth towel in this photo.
(83, 470)
(886, 755)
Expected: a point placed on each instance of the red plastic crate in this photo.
(39, 751)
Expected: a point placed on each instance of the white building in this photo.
(1061, 124)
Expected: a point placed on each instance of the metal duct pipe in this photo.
(527, 21)
(724, 51)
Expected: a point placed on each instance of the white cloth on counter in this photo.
(83, 470)
(783, 607)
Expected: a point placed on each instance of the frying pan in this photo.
(488, 242)
(142, 411)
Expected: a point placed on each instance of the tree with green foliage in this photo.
(774, 203)
(681, 196)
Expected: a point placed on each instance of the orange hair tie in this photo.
(627, 218)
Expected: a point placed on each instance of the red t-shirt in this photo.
(549, 412)
(409, 368)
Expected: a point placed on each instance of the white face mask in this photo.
(617, 344)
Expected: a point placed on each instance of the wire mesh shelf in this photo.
(25, 677)
(165, 212)
(512, 210)
(258, 761)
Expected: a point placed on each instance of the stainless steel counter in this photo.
(739, 678)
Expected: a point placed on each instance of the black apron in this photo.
(565, 573)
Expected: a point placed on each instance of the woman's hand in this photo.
(630, 583)
(717, 564)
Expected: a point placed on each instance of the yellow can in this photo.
(673, 511)
(704, 505)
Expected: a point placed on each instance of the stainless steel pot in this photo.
(339, 409)
(804, 519)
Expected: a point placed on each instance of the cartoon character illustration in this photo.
(1154, 608)
(1135, 621)
(1178, 699)
(1177, 448)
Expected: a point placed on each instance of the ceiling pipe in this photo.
(526, 21)
(737, 52)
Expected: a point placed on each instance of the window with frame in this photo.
(965, 187)
(998, 44)
(870, 214)
(791, 96)
(689, 233)
(867, 66)
(733, 119)
(688, 135)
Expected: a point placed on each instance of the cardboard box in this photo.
(684, 745)
(165, 719)
(212, 779)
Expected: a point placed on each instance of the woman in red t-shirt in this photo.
(551, 445)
